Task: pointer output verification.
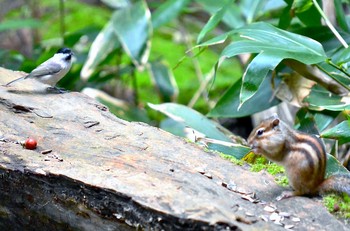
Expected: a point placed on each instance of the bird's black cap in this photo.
(64, 51)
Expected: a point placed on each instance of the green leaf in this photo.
(320, 119)
(334, 167)
(133, 28)
(309, 15)
(214, 41)
(164, 80)
(302, 5)
(188, 117)
(191, 118)
(213, 21)
(233, 16)
(321, 99)
(340, 15)
(167, 12)
(228, 104)
(274, 45)
(256, 73)
(341, 56)
(258, 37)
(340, 132)
(251, 8)
(324, 118)
(306, 122)
(18, 24)
(105, 42)
(286, 18)
(116, 3)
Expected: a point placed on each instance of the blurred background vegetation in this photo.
(176, 63)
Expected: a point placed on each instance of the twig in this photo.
(329, 24)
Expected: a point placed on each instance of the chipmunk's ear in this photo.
(275, 122)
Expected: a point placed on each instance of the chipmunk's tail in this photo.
(338, 183)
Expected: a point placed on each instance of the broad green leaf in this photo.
(321, 119)
(309, 15)
(251, 8)
(340, 132)
(306, 122)
(324, 118)
(105, 42)
(214, 41)
(116, 3)
(274, 45)
(285, 17)
(18, 24)
(228, 104)
(233, 16)
(238, 152)
(164, 80)
(340, 15)
(341, 56)
(256, 73)
(334, 167)
(174, 127)
(167, 12)
(191, 118)
(302, 5)
(187, 117)
(213, 21)
(321, 99)
(133, 28)
(258, 37)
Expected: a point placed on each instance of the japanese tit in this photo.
(52, 70)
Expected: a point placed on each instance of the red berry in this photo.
(30, 143)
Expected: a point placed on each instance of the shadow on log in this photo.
(93, 171)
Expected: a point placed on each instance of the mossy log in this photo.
(94, 171)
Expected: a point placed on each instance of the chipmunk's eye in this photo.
(260, 132)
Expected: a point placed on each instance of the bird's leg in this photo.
(56, 90)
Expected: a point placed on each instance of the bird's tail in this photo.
(11, 82)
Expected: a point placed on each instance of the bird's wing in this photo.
(44, 69)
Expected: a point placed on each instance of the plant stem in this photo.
(134, 84)
(335, 79)
(62, 27)
(338, 68)
(329, 24)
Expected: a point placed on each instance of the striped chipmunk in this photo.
(302, 155)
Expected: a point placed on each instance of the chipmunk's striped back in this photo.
(310, 151)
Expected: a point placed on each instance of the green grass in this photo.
(338, 205)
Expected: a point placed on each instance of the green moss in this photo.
(282, 180)
(338, 205)
(272, 168)
(260, 164)
(232, 159)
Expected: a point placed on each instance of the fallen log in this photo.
(93, 171)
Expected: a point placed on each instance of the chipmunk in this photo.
(302, 155)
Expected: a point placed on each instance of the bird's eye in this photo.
(260, 132)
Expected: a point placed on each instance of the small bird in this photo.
(52, 70)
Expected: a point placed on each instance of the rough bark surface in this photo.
(93, 171)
